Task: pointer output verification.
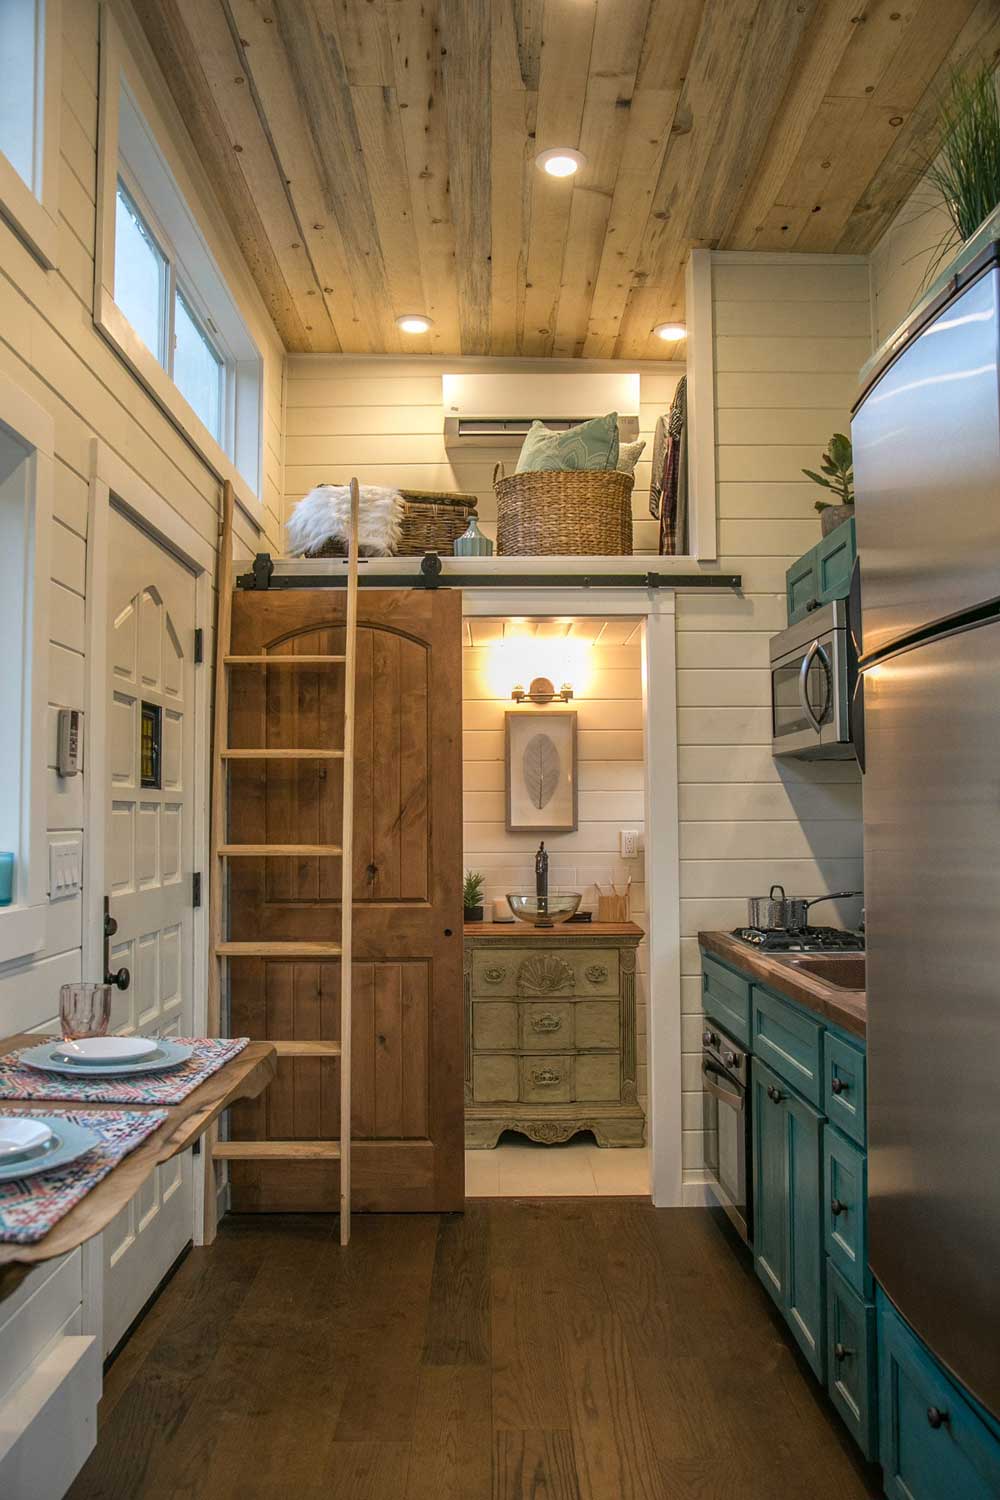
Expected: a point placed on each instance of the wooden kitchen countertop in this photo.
(846, 1008)
(244, 1077)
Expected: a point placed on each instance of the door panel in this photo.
(152, 609)
(770, 1163)
(407, 925)
(805, 1304)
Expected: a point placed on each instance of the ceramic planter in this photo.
(834, 516)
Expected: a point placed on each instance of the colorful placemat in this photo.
(18, 1081)
(30, 1206)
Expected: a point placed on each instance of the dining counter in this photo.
(243, 1077)
(844, 1007)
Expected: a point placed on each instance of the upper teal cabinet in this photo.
(822, 574)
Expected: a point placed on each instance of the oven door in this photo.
(808, 698)
(726, 1137)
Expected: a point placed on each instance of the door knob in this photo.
(120, 978)
(836, 1207)
(838, 1086)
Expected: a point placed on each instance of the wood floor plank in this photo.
(534, 1465)
(451, 1457)
(459, 1313)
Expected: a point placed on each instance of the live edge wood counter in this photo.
(244, 1077)
(846, 1008)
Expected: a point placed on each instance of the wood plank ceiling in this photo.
(376, 157)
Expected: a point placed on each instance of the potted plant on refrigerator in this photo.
(837, 465)
(472, 896)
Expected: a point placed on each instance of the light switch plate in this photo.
(65, 867)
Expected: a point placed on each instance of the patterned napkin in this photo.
(30, 1206)
(20, 1081)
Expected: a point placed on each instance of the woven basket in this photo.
(432, 519)
(558, 513)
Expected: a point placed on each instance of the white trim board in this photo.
(33, 210)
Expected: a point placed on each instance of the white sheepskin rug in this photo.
(325, 514)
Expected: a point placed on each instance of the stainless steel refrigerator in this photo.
(927, 466)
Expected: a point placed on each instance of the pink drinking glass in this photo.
(84, 1009)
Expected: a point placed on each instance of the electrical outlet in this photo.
(628, 843)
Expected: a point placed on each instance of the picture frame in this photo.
(541, 771)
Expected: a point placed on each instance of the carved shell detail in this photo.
(494, 973)
(596, 973)
(545, 973)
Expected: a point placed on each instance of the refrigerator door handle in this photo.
(816, 720)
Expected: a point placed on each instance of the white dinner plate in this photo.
(51, 1057)
(20, 1135)
(108, 1049)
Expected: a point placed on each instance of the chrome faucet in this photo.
(542, 878)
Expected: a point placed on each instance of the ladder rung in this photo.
(282, 754)
(278, 950)
(276, 851)
(282, 661)
(305, 1049)
(277, 1151)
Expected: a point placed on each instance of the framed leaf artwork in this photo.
(541, 772)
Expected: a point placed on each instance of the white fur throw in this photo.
(325, 514)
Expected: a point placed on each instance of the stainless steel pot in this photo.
(788, 911)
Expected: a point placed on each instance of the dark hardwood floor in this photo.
(564, 1349)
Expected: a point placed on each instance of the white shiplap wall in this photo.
(609, 707)
(49, 345)
(381, 419)
(790, 334)
(907, 259)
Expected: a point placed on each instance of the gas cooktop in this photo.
(801, 939)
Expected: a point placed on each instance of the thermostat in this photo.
(69, 748)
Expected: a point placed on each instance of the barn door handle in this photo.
(121, 978)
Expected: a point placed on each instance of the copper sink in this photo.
(844, 970)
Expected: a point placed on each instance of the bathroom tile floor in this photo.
(519, 1168)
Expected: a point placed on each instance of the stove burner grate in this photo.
(801, 939)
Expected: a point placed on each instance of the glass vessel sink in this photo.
(845, 971)
(561, 906)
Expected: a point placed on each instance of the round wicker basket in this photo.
(559, 513)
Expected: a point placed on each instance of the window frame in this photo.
(32, 209)
(189, 268)
(23, 925)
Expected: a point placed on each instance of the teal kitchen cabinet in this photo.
(850, 1360)
(788, 1238)
(845, 1209)
(725, 998)
(933, 1445)
(821, 574)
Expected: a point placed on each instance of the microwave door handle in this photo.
(725, 1096)
(804, 670)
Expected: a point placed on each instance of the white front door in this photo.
(150, 746)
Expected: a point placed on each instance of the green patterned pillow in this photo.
(592, 445)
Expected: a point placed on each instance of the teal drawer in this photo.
(932, 1445)
(802, 587)
(834, 561)
(726, 998)
(789, 1042)
(844, 1086)
(851, 1374)
(845, 1217)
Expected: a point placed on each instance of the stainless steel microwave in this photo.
(813, 668)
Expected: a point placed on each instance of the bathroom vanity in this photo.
(550, 1037)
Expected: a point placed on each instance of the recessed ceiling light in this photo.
(560, 161)
(414, 323)
(670, 332)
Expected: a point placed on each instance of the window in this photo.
(161, 299)
(29, 121)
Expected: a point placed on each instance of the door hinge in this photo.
(196, 888)
(199, 646)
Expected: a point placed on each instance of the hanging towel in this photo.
(673, 498)
(658, 458)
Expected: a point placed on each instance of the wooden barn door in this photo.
(407, 1012)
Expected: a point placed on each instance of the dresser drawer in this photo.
(598, 1025)
(789, 1042)
(495, 1077)
(540, 972)
(844, 1086)
(494, 972)
(546, 1026)
(598, 1078)
(494, 1025)
(726, 998)
(852, 1379)
(845, 1193)
(547, 1080)
(595, 971)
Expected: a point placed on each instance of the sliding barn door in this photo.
(407, 967)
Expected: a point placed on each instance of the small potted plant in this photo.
(472, 896)
(837, 477)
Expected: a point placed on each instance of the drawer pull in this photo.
(546, 1076)
(494, 974)
(547, 1022)
(936, 1418)
(839, 1086)
(596, 973)
(840, 1353)
(775, 1095)
(837, 1207)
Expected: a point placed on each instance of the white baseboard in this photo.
(698, 1195)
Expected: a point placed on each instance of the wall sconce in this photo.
(542, 691)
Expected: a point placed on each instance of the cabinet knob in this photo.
(730, 1059)
(836, 1207)
(775, 1095)
(709, 1039)
(840, 1353)
(838, 1086)
(936, 1418)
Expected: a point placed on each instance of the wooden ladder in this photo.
(223, 850)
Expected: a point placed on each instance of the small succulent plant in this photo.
(472, 890)
(838, 472)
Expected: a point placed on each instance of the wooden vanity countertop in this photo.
(560, 930)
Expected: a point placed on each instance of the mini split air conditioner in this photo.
(495, 411)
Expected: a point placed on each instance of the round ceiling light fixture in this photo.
(670, 332)
(414, 323)
(560, 161)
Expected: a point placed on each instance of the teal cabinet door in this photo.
(851, 1375)
(770, 1181)
(725, 998)
(834, 561)
(844, 1085)
(802, 587)
(805, 1306)
(932, 1445)
(845, 1209)
(790, 1041)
